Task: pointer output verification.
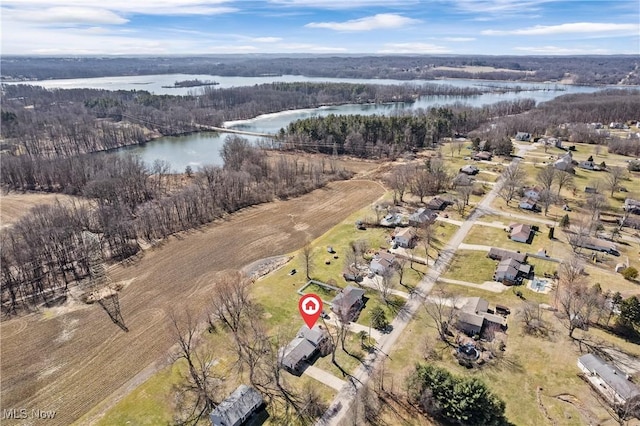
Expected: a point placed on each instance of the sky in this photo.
(179, 27)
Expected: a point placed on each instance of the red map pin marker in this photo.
(310, 306)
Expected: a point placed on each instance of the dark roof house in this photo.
(474, 315)
(499, 254)
(348, 303)
(437, 203)
(510, 270)
(523, 136)
(632, 206)
(307, 343)
(238, 408)
(609, 380)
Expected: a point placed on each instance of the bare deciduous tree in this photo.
(563, 180)
(513, 177)
(307, 259)
(614, 177)
(201, 385)
(230, 301)
(440, 307)
(546, 177)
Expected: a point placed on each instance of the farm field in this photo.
(89, 359)
(14, 205)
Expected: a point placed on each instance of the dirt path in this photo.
(87, 358)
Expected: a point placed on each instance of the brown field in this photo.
(14, 205)
(70, 359)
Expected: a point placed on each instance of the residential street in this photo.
(340, 407)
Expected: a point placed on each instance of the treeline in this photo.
(389, 136)
(584, 69)
(569, 116)
(130, 203)
(60, 123)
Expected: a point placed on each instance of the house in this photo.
(294, 356)
(533, 192)
(238, 408)
(422, 216)
(598, 244)
(555, 142)
(590, 190)
(607, 379)
(437, 203)
(630, 221)
(520, 232)
(631, 206)
(475, 315)
(482, 156)
(469, 170)
(588, 165)
(564, 163)
(404, 237)
(381, 262)
(527, 204)
(348, 303)
(510, 271)
(499, 254)
(307, 344)
(523, 136)
(462, 180)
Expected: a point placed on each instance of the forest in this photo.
(61, 123)
(129, 202)
(583, 69)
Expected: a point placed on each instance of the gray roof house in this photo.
(237, 408)
(565, 163)
(610, 381)
(437, 203)
(307, 343)
(348, 303)
(527, 204)
(523, 136)
(499, 254)
(509, 270)
(469, 169)
(422, 216)
(474, 315)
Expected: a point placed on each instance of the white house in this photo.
(404, 236)
(533, 193)
(527, 204)
(565, 163)
(382, 262)
(520, 232)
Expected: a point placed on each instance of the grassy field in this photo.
(472, 266)
(528, 364)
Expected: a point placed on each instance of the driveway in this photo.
(324, 377)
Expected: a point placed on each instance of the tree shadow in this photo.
(111, 304)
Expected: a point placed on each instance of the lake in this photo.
(203, 148)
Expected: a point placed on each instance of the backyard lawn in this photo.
(471, 266)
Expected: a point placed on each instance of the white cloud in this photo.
(413, 47)
(555, 50)
(66, 15)
(308, 47)
(155, 7)
(379, 21)
(458, 39)
(265, 39)
(346, 4)
(499, 6)
(571, 28)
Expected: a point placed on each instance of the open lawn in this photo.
(472, 266)
(529, 366)
(89, 359)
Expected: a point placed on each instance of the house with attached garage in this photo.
(304, 347)
(607, 379)
(404, 237)
(527, 204)
(422, 216)
(382, 262)
(475, 315)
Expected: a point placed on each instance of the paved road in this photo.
(341, 404)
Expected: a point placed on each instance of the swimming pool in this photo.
(538, 284)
